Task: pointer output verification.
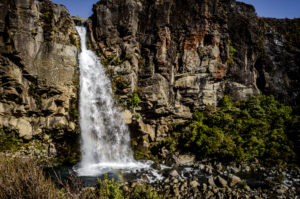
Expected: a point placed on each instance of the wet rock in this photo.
(156, 166)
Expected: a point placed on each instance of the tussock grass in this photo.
(23, 178)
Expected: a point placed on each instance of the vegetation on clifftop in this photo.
(259, 128)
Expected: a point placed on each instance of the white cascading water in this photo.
(105, 137)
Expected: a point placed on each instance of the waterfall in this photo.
(105, 138)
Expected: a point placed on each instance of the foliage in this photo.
(23, 178)
(232, 51)
(9, 140)
(139, 155)
(104, 61)
(117, 61)
(128, 57)
(258, 128)
(75, 41)
(120, 83)
(135, 100)
(109, 189)
(144, 192)
(74, 114)
(279, 178)
(47, 26)
(243, 184)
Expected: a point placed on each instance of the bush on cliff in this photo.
(259, 128)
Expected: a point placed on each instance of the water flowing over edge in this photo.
(105, 138)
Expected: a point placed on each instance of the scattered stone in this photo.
(194, 184)
(211, 182)
(219, 167)
(156, 166)
(221, 181)
(247, 188)
(185, 160)
(176, 192)
(234, 170)
(247, 169)
(282, 189)
(204, 187)
(173, 173)
(233, 180)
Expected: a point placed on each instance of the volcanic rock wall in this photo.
(176, 56)
(38, 78)
(184, 55)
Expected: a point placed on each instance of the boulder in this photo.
(185, 160)
(173, 173)
(127, 116)
(221, 181)
(194, 184)
(211, 182)
(24, 128)
(234, 180)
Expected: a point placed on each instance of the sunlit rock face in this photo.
(181, 56)
(39, 74)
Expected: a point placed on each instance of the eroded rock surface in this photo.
(181, 56)
(39, 74)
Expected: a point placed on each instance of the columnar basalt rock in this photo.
(181, 56)
(39, 74)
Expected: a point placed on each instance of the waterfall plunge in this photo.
(105, 137)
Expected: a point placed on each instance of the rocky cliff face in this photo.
(38, 78)
(176, 56)
(180, 56)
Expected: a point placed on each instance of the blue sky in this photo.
(81, 8)
(264, 8)
(276, 8)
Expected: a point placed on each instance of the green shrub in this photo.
(135, 100)
(117, 61)
(259, 128)
(232, 51)
(128, 57)
(9, 140)
(109, 189)
(120, 83)
(74, 114)
(243, 184)
(144, 192)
